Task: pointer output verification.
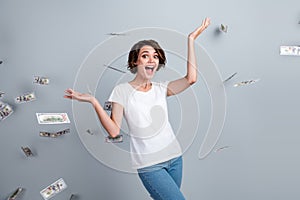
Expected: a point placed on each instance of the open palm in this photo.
(200, 29)
(72, 94)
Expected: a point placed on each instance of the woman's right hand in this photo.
(72, 94)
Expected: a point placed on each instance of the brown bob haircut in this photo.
(135, 50)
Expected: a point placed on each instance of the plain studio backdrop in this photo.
(257, 154)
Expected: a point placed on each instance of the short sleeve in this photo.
(117, 95)
(164, 86)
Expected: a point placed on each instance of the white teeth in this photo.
(149, 67)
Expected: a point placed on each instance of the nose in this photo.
(151, 59)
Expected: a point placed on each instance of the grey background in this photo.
(52, 38)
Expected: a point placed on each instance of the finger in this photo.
(69, 90)
(206, 22)
(67, 97)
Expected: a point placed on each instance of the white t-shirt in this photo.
(152, 139)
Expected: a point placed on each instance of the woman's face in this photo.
(147, 62)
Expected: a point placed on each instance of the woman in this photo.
(155, 151)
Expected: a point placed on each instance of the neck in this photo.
(143, 84)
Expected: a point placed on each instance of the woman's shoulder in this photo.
(161, 86)
(161, 83)
(122, 85)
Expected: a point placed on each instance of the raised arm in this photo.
(179, 85)
(111, 123)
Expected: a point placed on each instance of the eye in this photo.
(144, 56)
(155, 56)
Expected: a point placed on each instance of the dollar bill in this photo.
(72, 197)
(15, 194)
(114, 68)
(290, 50)
(53, 189)
(1, 94)
(116, 139)
(223, 28)
(25, 98)
(52, 118)
(116, 34)
(108, 105)
(90, 132)
(27, 151)
(244, 83)
(41, 80)
(230, 77)
(5, 110)
(222, 148)
(55, 134)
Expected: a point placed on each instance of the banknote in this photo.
(90, 132)
(53, 189)
(223, 28)
(27, 151)
(116, 139)
(107, 105)
(41, 80)
(72, 197)
(52, 118)
(230, 77)
(5, 110)
(244, 83)
(290, 50)
(25, 98)
(54, 134)
(15, 194)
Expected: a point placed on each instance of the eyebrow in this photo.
(148, 52)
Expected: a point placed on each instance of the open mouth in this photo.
(149, 68)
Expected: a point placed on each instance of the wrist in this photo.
(93, 101)
(190, 37)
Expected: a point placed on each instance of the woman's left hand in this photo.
(205, 23)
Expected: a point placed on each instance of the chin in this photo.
(149, 77)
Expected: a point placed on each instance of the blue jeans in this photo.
(163, 180)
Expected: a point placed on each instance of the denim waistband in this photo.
(159, 166)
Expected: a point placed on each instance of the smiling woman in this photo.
(134, 53)
(145, 58)
(156, 153)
